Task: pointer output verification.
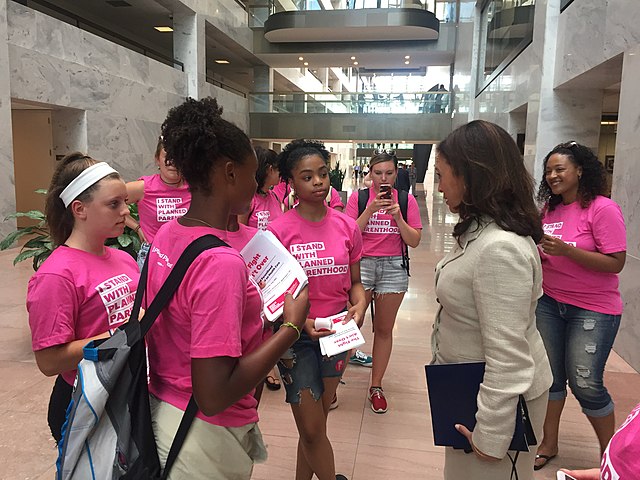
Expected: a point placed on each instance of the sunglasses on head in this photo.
(568, 145)
(387, 151)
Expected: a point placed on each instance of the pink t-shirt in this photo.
(241, 237)
(76, 295)
(325, 250)
(214, 313)
(381, 236)
(264, 210)
(161, 203)
(621, 459)
(281, 190)
(597, 228)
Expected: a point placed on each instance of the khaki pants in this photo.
(464, 466)
(209, 451)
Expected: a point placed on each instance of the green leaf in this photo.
(41, 191)
(9, 240)
(38, 242)
(135, 242)
(35, 214)
(124, 240)
(26, 254)
(39, 259)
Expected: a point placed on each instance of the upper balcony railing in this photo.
(444, 10)
(367, 102)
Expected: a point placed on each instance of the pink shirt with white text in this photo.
(264, 210)
(381, 236)
(325, 250)
(216, 312)
(621, 459)
(597, 228)
(77, 295)
(160, 204)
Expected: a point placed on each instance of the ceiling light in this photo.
(306, 64)
(164, 29)
(355, 63)
(353, 58)
(222, 61)
(300, 58)
(407, 57)
(406, 62)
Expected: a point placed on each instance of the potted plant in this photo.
(40, 246)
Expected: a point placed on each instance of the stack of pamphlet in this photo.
(347, 335)
(275, 270)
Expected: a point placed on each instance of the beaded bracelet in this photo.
(291, 325)
(137, 228)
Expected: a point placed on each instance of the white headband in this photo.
(88, 177)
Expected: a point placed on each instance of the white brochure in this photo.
(274, 269)
(347, 335)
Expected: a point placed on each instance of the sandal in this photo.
(546, 458)
(272, 382)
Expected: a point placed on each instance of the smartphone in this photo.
(564, 476)
(385, 189)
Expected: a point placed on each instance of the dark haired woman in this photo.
(384, 277)
(488, 286)
(83, 290)
(328, 246)
(160, 197)
(208, 341)
(265, 206)
(583, 250)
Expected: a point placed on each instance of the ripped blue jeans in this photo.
(578, 343)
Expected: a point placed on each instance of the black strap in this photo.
(181, 435)
(174, 279)
(161, 299)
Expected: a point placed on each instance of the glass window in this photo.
(506, 30)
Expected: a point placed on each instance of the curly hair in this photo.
(591, 184)
(59, 218)
(266, 158)
(196, 138)
(496, 181)
(296, 151)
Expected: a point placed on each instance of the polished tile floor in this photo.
(396, 445)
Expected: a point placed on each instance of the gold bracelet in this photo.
(291, 325)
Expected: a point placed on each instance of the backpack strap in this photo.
(403, 201)
(181, 435)
(363, 198)
(328, 197)
(172, 282)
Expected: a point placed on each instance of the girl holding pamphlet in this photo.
(328, 245)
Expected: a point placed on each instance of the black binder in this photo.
(453, 391)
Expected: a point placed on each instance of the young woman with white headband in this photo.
(84, 290)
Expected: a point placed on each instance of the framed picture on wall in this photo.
(608, 163)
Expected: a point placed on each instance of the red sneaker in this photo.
(378, 402)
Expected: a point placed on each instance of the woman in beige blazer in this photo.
(488, 287)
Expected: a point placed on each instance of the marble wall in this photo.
(105, 99)
(7, 177)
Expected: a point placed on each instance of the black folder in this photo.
(453, 391)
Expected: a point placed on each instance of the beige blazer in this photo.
(488, 288)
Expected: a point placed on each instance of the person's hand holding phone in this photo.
(382, 201)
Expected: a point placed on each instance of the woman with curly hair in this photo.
(582, 252)
(265, 206)
(208, 341)
(328, 246)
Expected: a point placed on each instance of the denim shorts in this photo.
(306, 368)
(578, 343)
(384, 274)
